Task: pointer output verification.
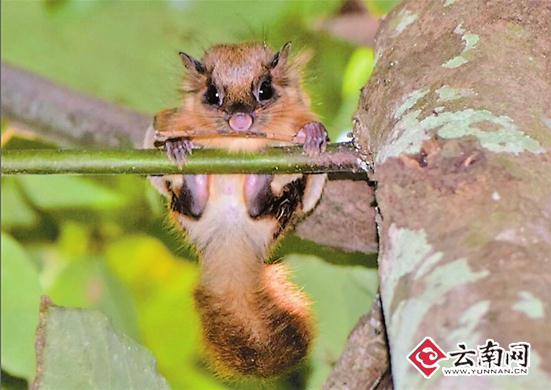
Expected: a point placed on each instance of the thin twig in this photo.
(338, 158)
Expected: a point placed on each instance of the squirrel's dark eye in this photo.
(212, 96)
(266, 91)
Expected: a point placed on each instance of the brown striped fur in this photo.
(261, 332)
(255, 322)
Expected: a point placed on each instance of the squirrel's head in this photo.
(242, 86)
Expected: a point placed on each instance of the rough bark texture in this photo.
(457, 120)
(343, 220)
(66, 117)
(338, 218)
(365, 362)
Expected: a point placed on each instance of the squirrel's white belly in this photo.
(225, 226)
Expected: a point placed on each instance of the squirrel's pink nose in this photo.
(240, 121)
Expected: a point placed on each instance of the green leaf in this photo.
(20, 301)
(15, 211)
(68, 192)
(79, 349)
(74, 239)
(357, 72)
(88, 282)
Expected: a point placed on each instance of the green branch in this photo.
(337, 158)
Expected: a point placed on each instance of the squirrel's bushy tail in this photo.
(261, 330)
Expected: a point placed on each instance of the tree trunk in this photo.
(457, 121)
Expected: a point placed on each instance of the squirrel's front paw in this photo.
(314, 138)
(177, 149)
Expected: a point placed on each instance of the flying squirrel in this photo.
(243, 97)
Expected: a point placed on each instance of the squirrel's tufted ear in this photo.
(281, 56)
(191, 63)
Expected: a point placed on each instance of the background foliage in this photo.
(102, 242)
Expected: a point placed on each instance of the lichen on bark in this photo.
(462, 156)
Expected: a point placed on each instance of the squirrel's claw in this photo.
(314, 137)
(177, 150)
